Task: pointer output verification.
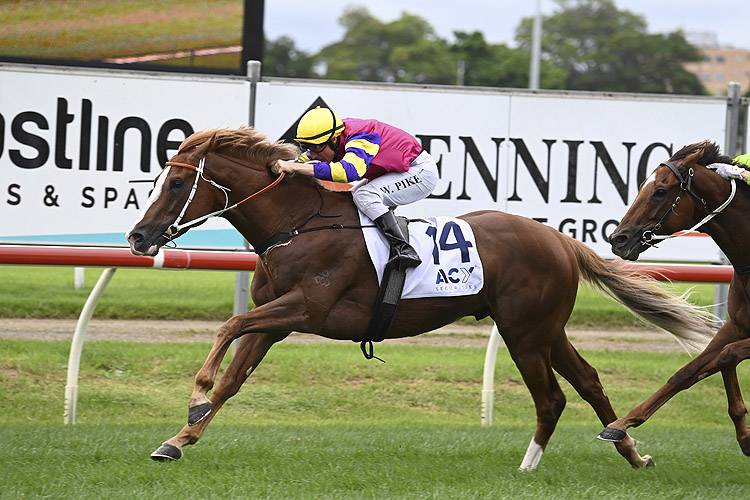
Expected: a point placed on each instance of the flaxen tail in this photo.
(692, 326)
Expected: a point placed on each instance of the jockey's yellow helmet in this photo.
(319, 126)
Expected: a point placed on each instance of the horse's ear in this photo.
(698, 153)
(204, 148)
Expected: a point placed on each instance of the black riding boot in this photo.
(405, 253)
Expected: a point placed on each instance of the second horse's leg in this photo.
(568, 362)
(729, 358)
(705, 364)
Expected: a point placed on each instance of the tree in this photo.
(606, 49)
(282, 58)
(498, 65)
(405, 50)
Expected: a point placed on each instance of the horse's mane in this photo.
(245, 143)
(711, 153)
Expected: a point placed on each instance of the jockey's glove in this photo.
(730, 171)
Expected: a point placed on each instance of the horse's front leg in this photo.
(704, 365)
(695, 371)
(250, 352)
(280, 316)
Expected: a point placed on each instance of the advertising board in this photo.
(573, 161)
(79, 149)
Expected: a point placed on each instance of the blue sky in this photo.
(314, 24)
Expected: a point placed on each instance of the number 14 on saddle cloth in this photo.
(450, 262)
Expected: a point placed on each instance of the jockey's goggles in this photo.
(315, 148)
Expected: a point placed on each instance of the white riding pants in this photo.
(375, 197)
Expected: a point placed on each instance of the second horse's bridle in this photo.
(686, 186)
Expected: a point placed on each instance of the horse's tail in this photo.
(692, 326)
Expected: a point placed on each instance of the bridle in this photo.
(176, 226)
(686, 186)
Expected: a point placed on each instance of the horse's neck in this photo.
(289, 206)
(731, 228)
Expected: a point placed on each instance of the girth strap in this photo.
(389, 296)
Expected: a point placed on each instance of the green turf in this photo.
(319, 421)
(48, 292)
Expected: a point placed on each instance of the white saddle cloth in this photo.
(450, 262)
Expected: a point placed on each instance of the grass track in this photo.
(362, 461)
(47, 292)
(319, 421)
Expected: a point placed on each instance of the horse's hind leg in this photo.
(250, 352)
(585, 380)
(737, 408)
(534, 364)
(729, 358)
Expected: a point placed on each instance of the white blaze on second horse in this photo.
(155, 194)
(650, 180)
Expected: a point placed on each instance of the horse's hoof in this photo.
(166, 453)
(612, 435)
(198, 413)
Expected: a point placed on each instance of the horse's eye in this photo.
(176, 184)
(660, 193)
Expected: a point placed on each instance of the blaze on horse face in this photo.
(661, 207)
(170, 194)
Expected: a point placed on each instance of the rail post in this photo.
(242, 279)
(70, 411)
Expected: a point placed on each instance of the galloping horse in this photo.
(683, 194)
(531, 275)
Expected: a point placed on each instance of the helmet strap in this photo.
(334, 143)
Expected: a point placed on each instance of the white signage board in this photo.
(573, 161)
(79, 149)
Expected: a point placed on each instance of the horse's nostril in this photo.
(617, 239)
(135, 237)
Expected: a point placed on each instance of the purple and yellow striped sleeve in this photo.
(359, 151)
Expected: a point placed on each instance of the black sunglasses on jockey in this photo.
(315, 148)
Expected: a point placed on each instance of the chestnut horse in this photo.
(531, 275)
(682, 194)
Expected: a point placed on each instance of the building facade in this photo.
(720, 65)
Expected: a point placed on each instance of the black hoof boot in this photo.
(612, 435)
(745, 447)
(166, 453)
(198, 413)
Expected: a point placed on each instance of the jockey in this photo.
(737, 170)
(390, 165)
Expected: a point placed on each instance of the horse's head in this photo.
(172, 200)
(199, 183)
(671, 199)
